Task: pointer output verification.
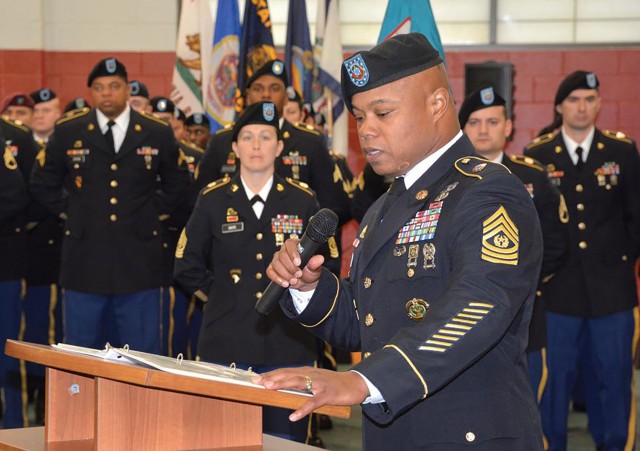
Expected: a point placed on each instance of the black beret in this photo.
(392, 59)
(137, 88)
(576, 80)
(17, 99)
(272, 67)
(76, 104)
(479, 99)
(198, 119)
(106, 68)
(43, 95)
(161, 104)
(293, 95)
(257, 113)
(179, 114)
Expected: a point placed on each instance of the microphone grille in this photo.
(322, 225)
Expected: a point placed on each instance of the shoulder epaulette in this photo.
(306, 128)
(337, 155)
(617, 136)
(215, 185)
(153, 118)
(73, 114)
(541, 140)
(226, 128)
(191, 146)
(527, 161)
(300, 185)
(473, 166)
(16, 124)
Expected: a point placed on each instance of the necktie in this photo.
(579, 163)
(395, 191)
(109, 136)
(257, 204)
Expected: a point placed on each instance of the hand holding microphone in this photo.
(321, 227)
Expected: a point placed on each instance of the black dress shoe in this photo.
(316, 441)
(324, 422)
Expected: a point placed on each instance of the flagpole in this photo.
(329, 96)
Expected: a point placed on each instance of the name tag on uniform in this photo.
(233, 228)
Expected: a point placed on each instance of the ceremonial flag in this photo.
(256, 44)
(222, 77)
(328, 58)
(403, 16)
(298, 53)
(192, 54)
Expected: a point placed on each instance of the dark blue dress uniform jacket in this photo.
(224, 253)
(13, 207)
(603, 200)
(553, 215)
(443, 330)
(112, 242)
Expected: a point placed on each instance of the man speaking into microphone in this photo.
(223, 253)
(442, 280)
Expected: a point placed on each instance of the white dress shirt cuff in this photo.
(375, 397)
(300, 298)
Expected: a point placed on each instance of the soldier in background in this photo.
(483, 118)
(13, 266)
(176, 303)
(592, 300)
(198, 130)
(76, 104)
(123, 174)
(18, 107)
(139, 96)
(46, 111)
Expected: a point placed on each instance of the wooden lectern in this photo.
(96, 404)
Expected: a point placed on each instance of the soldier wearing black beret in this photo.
(114, 175)
(592, 301)
(198, 129)
(76, 104)
(442, 280)
(139, 96)
(483, 118)
(224, 251)
(305, 156)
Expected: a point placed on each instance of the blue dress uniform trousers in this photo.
(12, 374)
(136, 317)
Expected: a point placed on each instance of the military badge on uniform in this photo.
(417, 309)
(422, 194)
(592, 81)
(137, 127)
(232, 215)
(90, 127)
(399, 251)
(182, 244)
(412, 261)
(610, 170)
(277, 67)
(479, 167)
(9, 160)
(286, 224)
(364, 231)
(279, 239)
(233, 227)
(558, 149)
(500, 239)
(78, 155)
(77, 144)
(422, 226)
(235, 275)
(78, 181)
(357, 70)
(279, 187)
(429, 254)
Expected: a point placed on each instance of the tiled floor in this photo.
(346, 434)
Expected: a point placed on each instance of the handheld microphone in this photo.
(321, 227)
